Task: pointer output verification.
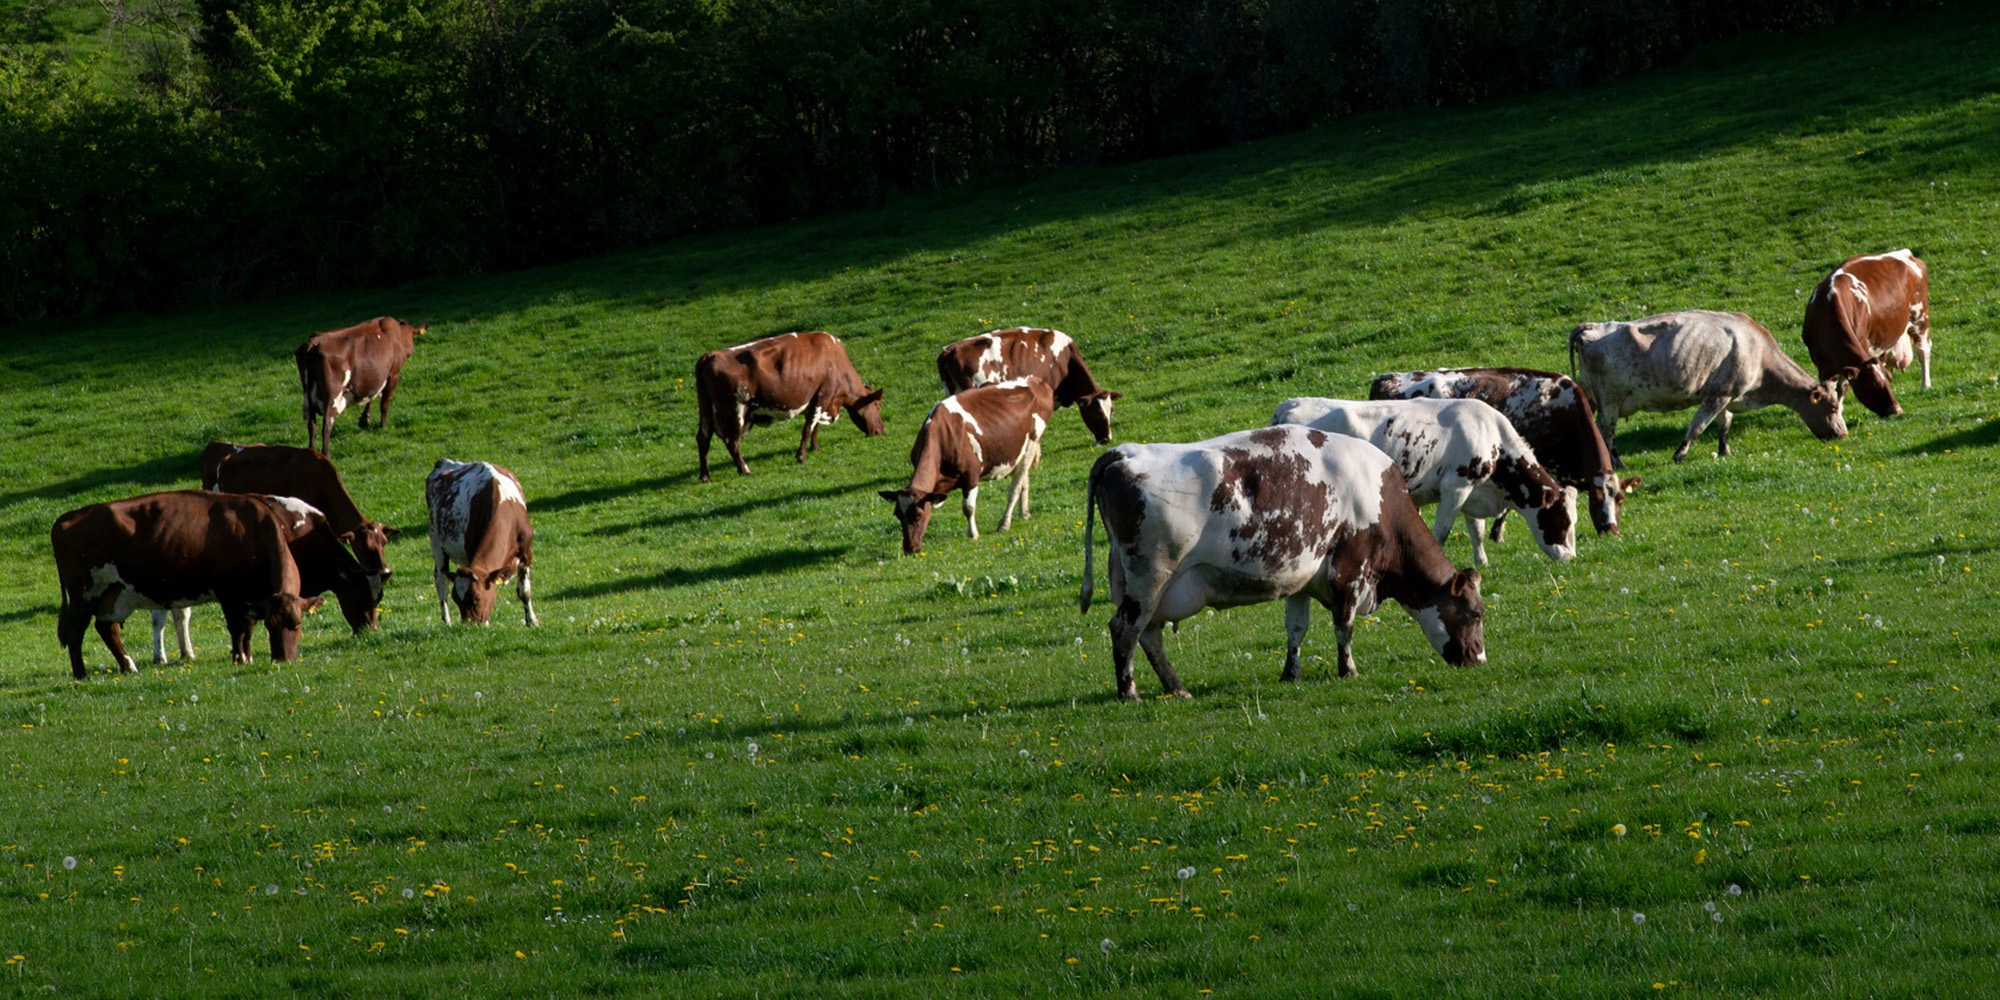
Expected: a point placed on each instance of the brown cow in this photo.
(282, 470)
(357, 365)
(1551, 414)
(171, 550)
(778, 378)
(1871, 308)
(324, 564)
(479, 520)
(982, 433)
(1023, 352)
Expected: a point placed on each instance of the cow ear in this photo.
(1628, 484)
(496, 578)
(390, 532)
(890, 495)
(1113, 395)
(419, 328)
(937, 498)
(868, 396)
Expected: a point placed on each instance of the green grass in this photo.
(1778, 681)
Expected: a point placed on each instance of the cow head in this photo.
(370, 542)
(1455, 621)
(1871, 387)
(1552, 521)
(867, 411)
(474, 592)
(914, 511)
(1822, 408)
(1604, 497)
(283, 616)
(1096, 412)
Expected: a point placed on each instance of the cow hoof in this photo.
(1180, 693)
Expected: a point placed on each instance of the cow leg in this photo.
(365, 405)
(1475, 528)
(71, 623)
(1298, 617)
(732, 437)
(183, 618)
(526, 593)
(1607, 427)
(1124, 639)
(388, 393)
(1153, 641)
(1016, 494)
(107, 629)
(1709, 409)
(242, 632)
(1924, 356)
(1452, 495)
(441, 578)
(1722, 421)
(971, 512)
(809, 437)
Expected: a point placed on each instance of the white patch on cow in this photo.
(781, 336)
(991, 364)
(1058, 343)
(1855, 285)
(1909, 260)
(972, 428)
(510, 491)
(301, 511)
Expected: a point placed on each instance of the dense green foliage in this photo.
(753, 751)
(258, 145)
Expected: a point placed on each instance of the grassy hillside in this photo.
(1747, 748)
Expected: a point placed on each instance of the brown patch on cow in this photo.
(1286, 511)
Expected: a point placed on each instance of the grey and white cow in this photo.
(1280, 513)
(1720, 362)
(479, 520)
(1460, 454)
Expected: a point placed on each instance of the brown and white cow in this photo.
(1023, 352)
(1289, 512)
(479, 520)
(1871, 309)
(324, 564)
(1462, 455)
(172, 550)
(359, 364)
(1549, 411)
(778, 378)
(987, 432)
(1720, 362)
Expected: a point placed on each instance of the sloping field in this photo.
(1747, 748)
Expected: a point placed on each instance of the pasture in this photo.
(1747, 748)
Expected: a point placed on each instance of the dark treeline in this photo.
(299, 144)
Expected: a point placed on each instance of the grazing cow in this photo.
(1547, 409)
(1721, 362)
(281, 470)
(357, 365)
(778, 378)
(1869, 309)
(1021, 352)
(479, 520)
(987, 432)
(324, 564)
(1282, 512)
(171, 550)
(1461, 454)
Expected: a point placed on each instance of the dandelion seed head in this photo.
(1185, 873)
(409, 893)
(1638, 918)
(69, 861)
(1716, 917)
(1735, 890)
(1709, 906)
(270, 890)
(1106, 945)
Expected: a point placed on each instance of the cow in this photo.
(281, 470)
(1287, 512)
(1721, 362)
(1551, 414)
(986, 432)
(479, 520)
(1459, 453)
(171, 550)
(777, 378)
(1871, 309)
(359, 364)
(1020, 352)
(324, 564)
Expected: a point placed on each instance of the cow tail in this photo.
(1572, 354)
(1089, 528)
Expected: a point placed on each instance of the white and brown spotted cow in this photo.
(174, 550)
(1721, 362)
(1462, 455)
(1871, 309)
(324, 564)
(987, 432)
(778, 378)
(479, 522)
(359, 364)
(1023, 352)
(1289, 512)
(1550, 412)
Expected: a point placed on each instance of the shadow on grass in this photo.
(738, 509)
(600, 494)
(1986, 435)
(166, 472)
(761, 564)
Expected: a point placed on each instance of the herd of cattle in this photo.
(1319, 506)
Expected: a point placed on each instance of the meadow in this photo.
(1747, 748)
